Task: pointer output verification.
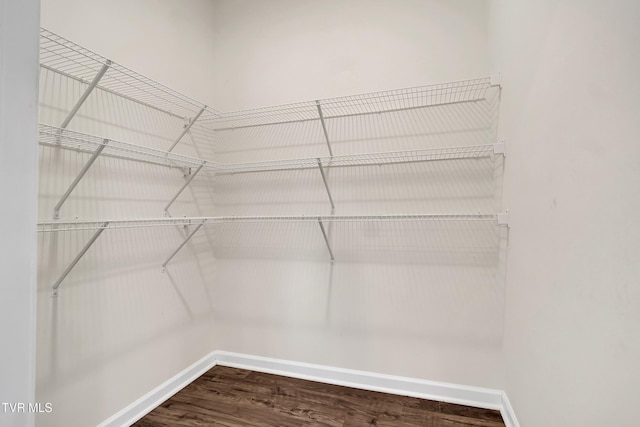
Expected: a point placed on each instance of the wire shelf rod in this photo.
(374, 159)
(341, 116)
(355, 105)
(76, 141)
(79, 225)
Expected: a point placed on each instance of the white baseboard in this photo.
(452, 393)
(444, 392)
(507, 413)
(164, 391)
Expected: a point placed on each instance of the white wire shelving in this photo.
(99, 226)
(463, 91)
(77, 225)
(372, 159)
(84, 143)
(96, 146)
(76, 62)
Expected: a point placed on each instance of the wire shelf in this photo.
(81, 142)
(355, 105)
(375, 159)
(74, 61)
(58, 226)
(76, 141)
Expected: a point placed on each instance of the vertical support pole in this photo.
(324, 128)
(186, 128)
(94, 156)
(84, 250)
(326, 186)
(193, 175)
(195, 230)
(326, 239)
(86, 94)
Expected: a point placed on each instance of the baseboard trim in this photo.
(452, 393)
(151, 400)
(508, 415)
(444, 392)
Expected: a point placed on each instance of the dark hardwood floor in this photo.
(235, 397)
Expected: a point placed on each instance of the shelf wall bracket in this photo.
(326, 239)
(503, 218)
(186, 184)
(186, 128)
(496, 80)
(500, 148)
(326, 186)
(324, 127)
(75, 261)
(83, 172)
(86, 94)
(186, 240)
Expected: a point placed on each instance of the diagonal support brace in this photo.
(186, 128)
(326, 239)
(324, 127)
(326, 186)
(86, 94)
(186, 184)
(75, 261)
(186, 240)
(85, 169)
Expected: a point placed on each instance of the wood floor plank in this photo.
(230, 397)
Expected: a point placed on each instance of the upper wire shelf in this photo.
(347, 106)
(81, 142)
(57, 226)
(76, 62)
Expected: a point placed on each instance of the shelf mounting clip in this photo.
(500, 148)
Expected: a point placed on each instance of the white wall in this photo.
(570, 114)
(280, 51)
(18, 163)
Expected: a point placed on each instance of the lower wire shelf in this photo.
(500, 219)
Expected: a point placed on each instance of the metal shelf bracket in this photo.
(85, 169)
(86, 94)
(193, 175)
(186, 128)
(326, 186)
(75, 261)
(326, 239)
(324, 127)
(186, 240)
